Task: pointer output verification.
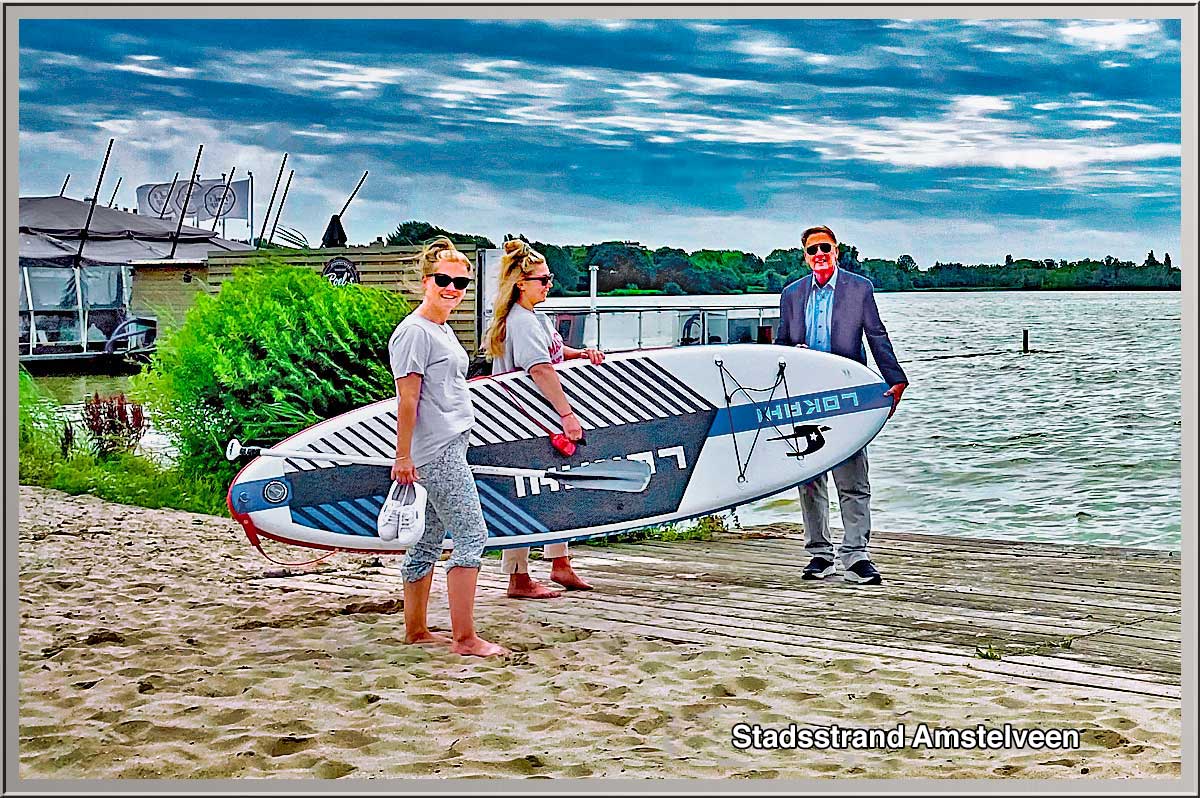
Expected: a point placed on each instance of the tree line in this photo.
(628, 267)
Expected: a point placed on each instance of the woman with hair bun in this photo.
(433, 423)
(522, 338)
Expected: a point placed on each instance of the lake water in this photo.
(1076, 442)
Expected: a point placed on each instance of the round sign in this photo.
(194, 202)
(158, 196)
(219, 201)
(340, 271)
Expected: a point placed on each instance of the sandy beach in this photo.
(146, 651)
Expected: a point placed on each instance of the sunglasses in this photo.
(824, 246)
(443, 280)
(545, 279)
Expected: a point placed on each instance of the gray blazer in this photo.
(854, 315)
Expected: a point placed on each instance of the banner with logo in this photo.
(209, 199)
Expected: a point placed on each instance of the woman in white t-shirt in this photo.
(522, 338)
(434, 417)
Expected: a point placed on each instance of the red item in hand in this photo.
(563, 444)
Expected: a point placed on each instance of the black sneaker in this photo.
(818, 568)
(863, 572)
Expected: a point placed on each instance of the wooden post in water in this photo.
(1025, 342)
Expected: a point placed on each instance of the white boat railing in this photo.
(619, 329)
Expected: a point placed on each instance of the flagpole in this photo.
(250, 214)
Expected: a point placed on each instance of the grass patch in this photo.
(54, 454)
(702, 528)
(130, 479)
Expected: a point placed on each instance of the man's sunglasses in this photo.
(545, 279)
(824, 246)
(443, 280)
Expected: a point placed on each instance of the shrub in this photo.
(275, 350)
(114, 424)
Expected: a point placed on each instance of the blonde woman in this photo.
(522, 338)
(433, 422)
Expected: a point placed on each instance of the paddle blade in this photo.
(627, 476)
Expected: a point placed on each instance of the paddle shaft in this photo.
(491, 471)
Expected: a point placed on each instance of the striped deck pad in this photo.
(609, 394)
(1103, 618)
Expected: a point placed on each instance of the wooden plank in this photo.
(815, 604)
(1160, 568)
(888, 619)
(1124, 634)
(1108, 577)
(380, 267)
(922, 564)
(808, 649)
(843, 631)
(1126, 554)
(951, 595)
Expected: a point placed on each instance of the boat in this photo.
(77, 264)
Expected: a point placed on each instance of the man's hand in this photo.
(895, 392)
(594, 355)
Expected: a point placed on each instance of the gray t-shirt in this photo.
(419, 346)
(529, 339)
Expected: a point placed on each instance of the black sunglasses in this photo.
(545, 279)
(443, 280)
(824, 246)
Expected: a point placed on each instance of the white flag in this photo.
(209, 199)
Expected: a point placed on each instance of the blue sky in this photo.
(952, 140)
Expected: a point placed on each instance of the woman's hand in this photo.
(594, 355)
(571, 427)
(403, 471)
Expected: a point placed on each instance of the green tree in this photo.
(417, 233)
(1151, 260)
(619, 264)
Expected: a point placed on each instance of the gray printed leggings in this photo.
(453, 504)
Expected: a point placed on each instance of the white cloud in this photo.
(157, 71)
(1110, 34)
(1090, 124)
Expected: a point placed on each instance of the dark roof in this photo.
(53, 225)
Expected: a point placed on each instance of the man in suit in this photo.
(832, 310)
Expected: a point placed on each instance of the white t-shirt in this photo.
(419, 346)
(529, 339)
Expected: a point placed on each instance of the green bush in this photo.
(38, 430)
(277, 349)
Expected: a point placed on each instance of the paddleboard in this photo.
(719, 426)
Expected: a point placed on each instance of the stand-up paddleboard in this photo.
(718, 426)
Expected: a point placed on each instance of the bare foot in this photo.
(426, 637)
(562, 573)
(478, 647)
(526, 587)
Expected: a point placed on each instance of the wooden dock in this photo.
(1103, 618)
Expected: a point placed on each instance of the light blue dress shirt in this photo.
(818, 314)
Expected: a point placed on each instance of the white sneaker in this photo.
(402, 518)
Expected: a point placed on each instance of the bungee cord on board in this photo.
(780, 379)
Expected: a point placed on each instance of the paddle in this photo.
(627, 476)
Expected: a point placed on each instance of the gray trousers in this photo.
(854, 496)
(453, 503)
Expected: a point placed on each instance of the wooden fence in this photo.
(382, 267)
